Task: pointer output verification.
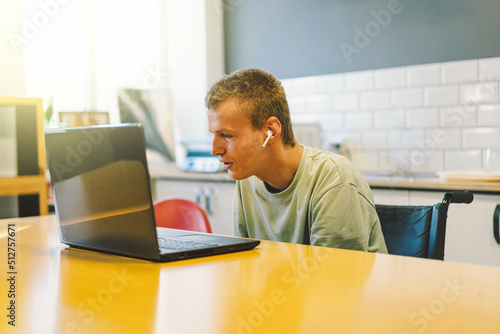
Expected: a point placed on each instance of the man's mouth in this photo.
(227, 165)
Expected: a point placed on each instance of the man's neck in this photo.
(284, 166)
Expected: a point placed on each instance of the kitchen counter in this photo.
(432, 184)
(171, 172)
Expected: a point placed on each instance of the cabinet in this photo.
(23, 163)
(469, 228)
(215, 196)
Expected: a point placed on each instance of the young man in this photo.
(284, 191)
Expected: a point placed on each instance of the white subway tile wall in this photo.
(421, 118)
(488, 115)
(441, 95)
(481, 138)
(483, 92)
(376, 100)
(331, 83)
(489, 69)
(358, 120)
(390, 78)
(355, 81)
(345, 102)
(423, 75)
(459, 116)
(459, 71)
(407, 97)
(389, 119)
(463, 160)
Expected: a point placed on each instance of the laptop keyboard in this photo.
(182, 244)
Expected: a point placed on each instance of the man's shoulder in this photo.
(325, 159)
(331, 166)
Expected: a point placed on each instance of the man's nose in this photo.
(217, 148)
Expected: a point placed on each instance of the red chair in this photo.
(181, 214)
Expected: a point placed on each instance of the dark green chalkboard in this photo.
(295, 38)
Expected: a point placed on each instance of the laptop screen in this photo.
(101, 188)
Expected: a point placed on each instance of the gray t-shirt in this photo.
(328, 204)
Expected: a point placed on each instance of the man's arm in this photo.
(341, 218)
(239, 221)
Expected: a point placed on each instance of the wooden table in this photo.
(276, 288)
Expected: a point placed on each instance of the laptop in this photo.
(103, 202)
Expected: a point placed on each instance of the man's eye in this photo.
(225, 135)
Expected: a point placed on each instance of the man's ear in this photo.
(274, 125)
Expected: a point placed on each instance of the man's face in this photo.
(237, 144)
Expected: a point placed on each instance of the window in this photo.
(81, 52)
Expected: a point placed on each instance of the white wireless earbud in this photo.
(269, 135)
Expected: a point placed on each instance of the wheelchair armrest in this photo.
(458, 197)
